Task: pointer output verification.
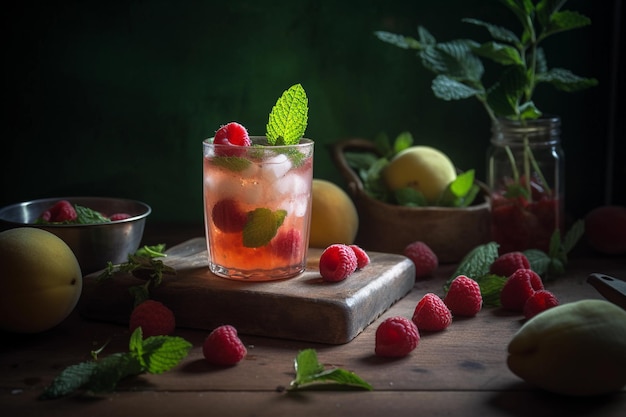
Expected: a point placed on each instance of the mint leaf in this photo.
(155, 355)
(403, 141)
(565, 80)
(69, 380)
(261, 226)
(573, 235)
(490, 288)
(476, 263)
(288, 118)
(162, 353)
(85, 215)
(153, 251)
(311, 374)
(232, 163)
(539, 260)
(460, 192)
(448, 88)
(410, 197)
(112, 369)
(496, 32)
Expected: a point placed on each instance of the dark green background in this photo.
(114, 98)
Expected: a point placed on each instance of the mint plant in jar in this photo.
(526, 179)
(525, 169)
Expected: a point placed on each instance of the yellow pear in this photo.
(334, 218)
(40, 280)
(576, 349)
(426, 169)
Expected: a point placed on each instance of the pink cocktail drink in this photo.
(257, 202)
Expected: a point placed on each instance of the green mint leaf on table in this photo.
(539, 260)
(69, 380)
(551, 264)
(261, 226)
(476, 263)
(155, 355)
(310, 374)
(231, 163)
(158, 354)
(288, 118)
(490, 288)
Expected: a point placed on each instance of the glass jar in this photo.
(525, 175)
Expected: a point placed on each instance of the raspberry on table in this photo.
(540, 301)
(424, 259)
(337, 262)
(228, 216)
(154, 318)
(518, 288)
(223, 346)
(431, 314)
(464, 297)
(362, 258)
(396, 337)
(508, 263)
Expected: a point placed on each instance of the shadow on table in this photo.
(522, 400)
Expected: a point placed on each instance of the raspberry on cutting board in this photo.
(464, 297)
(223, 346)
(362, 258)
(431, 314)
(337, 262)
(154, 318)
(396, 337)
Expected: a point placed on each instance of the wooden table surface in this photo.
(458, 372)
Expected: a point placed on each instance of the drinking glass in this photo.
(257, 208)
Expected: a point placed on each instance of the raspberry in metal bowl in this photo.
(93, 243)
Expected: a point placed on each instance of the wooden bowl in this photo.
(450, 232)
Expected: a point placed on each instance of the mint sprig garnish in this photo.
(155, 355)
(288, 118)
(232, 163)
(261, 226)
(311, 374)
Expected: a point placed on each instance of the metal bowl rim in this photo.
(146, 207)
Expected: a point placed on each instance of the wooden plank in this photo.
(473, 403)
(303, 308)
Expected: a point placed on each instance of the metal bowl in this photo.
(93, 244)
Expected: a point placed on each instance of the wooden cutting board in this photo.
(302, 308)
